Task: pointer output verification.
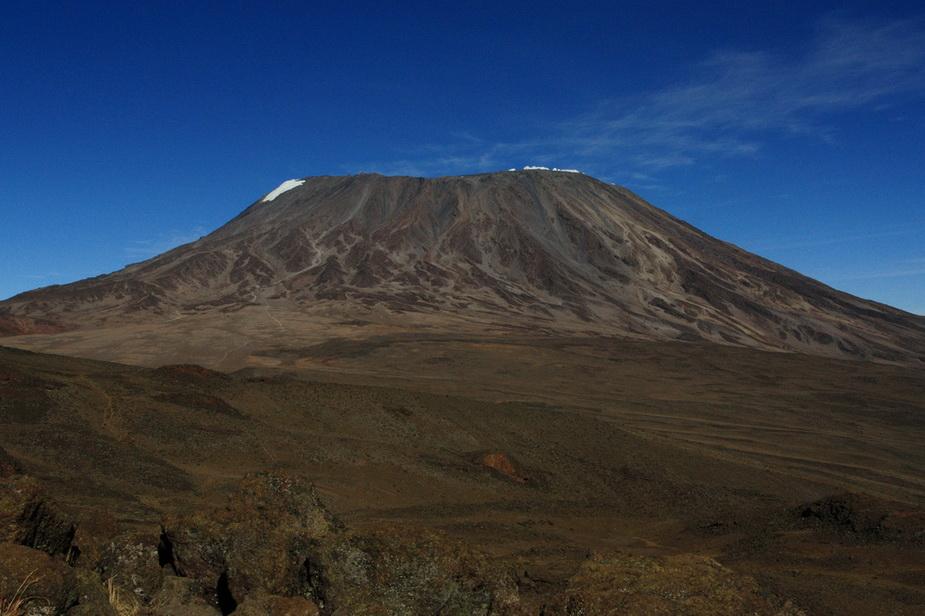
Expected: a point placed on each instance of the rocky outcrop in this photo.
(181, 596)
(93, 596)
(260, 541)
(272, 549)
(631, 585)
(401, 572)
(275, 549)
(859, 516)
(28, 517)
(131, 560)
(47, 585)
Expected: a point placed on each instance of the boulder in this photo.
(181, 596)
(30, 518)
(48, 585)
(269, 605)
(259, 541)
(96, 529)
(92, 596)
(406, 573)
(132, 562)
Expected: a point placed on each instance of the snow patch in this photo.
(535, 168)
(285, 186)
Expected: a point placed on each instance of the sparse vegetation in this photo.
(122, 602)
(15, 605)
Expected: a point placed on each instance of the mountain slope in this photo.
(553, 252)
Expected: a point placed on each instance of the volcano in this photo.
(538, 251)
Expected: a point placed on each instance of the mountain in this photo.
(537, 251)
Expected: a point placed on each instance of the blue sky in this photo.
(799, 134)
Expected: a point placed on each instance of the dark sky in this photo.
(129, 127)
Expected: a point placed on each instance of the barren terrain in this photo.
(517, 393)
(534, 453)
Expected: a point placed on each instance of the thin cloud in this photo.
(729, 106)
(735, 99)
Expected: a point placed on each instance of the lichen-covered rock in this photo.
(260, 541)
(631, 585)
(48, 583)
(92, 598)
(132, 562)
(400, 573)
(30, 518)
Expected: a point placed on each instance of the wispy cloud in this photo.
(729, 105)
(144, 249)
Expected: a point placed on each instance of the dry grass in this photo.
(16, 605)
(123, 603)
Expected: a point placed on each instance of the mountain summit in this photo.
(547, 252)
